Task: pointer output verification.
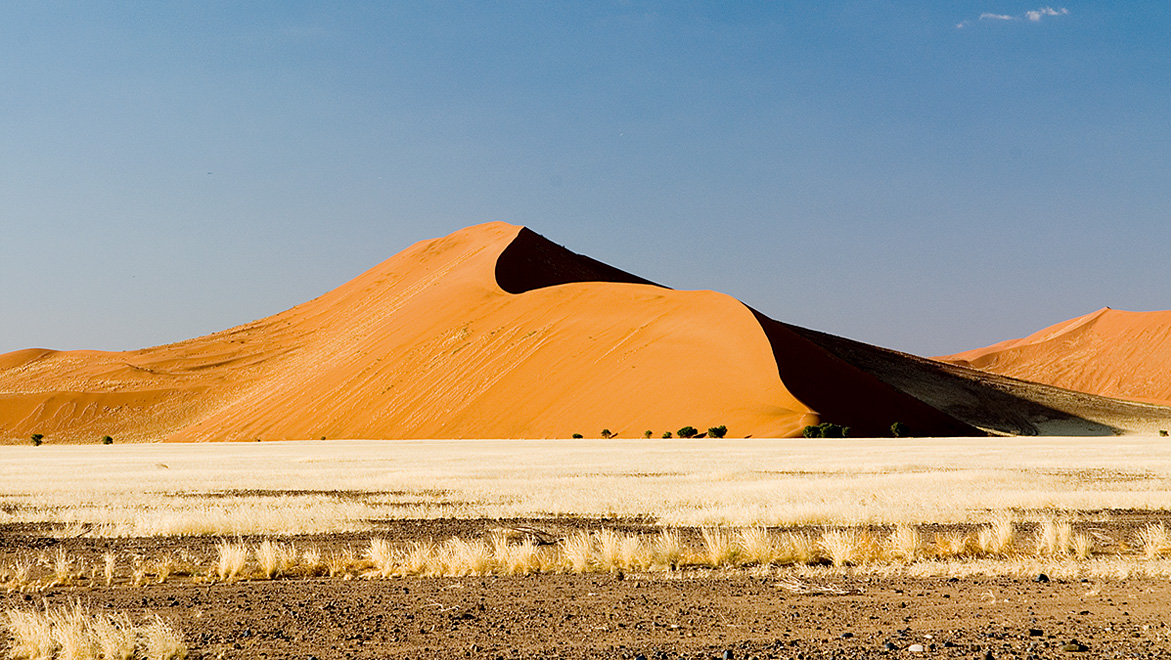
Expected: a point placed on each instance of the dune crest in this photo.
(1108, 352)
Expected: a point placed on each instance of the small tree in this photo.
(107, 440)
(687, 432)
(647, 434)
(607, 434)
(1163, 432)
(899, 430)
(717, 431)
(578, 436)
(37, 439)
(666, 435)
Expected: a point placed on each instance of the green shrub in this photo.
(1163, 432)
(826, 430)
(899, 430)
(717, 431)
(107, 440)
(607, 434)
(647, 434)
(578, 436)
(687, 432)
(666, 434)
(37, 439)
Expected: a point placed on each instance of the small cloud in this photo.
(1036, 14)
(1033, 15)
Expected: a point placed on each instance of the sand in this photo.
(496, 332)
(1110, 352)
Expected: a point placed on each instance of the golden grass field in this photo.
(331, 486)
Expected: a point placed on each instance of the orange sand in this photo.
(492, 331)
(1110, 352)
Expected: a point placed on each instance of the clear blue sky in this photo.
(928, 176)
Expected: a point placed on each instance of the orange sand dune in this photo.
(1110, 352)
(492, 331)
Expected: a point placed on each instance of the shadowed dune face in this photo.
(1110, 352)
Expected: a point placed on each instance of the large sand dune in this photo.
(1110, 352)
(492, 331)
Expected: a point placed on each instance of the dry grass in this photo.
(73, 633)
(205, 489)
(232, 559)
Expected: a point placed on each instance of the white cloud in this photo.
(1033, 15)
(1036, 14)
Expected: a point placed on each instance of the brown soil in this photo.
(692, 614)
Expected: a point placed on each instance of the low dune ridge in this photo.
(1110, 352)
(496, 332)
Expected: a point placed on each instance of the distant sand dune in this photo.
(496, 332)
(1110, 352)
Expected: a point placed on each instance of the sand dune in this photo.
(1110, 352)
(492, 331)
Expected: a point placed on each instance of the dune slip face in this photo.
(492, 332)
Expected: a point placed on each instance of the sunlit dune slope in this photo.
(492, 331)
(1109, 352)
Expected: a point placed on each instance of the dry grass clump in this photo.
(848, 546)
(73, 633)
(996, 538)
(232, 559)
(275, 559)
(1053, 538)
(1154, 540)
(904, 544)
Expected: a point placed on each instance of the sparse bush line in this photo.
(902, 548)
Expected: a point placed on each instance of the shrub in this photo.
(687, 432)
(899, 430)
(37, 439)
(607, 434)
(1163, 432)
(578, 436)
(717, 431)
(666, 434)
(107, 440)
(826, 430)
(646, 434)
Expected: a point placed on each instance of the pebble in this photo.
(1075, 646)
(915, 648)
(728, 655)
(1036, 632)
(1041, 577)
(890, 646)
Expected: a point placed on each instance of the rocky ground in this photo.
(691, 614)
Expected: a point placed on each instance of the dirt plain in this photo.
(749, 613)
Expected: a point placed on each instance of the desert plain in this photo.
(787, 548)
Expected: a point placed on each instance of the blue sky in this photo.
(928, 176)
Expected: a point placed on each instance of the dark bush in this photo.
(37, 439)
(107, 440)
(826, 430)
(607, 434)
(647, 434)
(666, 434)
(1163, 432)
(578, 436)
(899, 430)
(687, 432)
(717, 431)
